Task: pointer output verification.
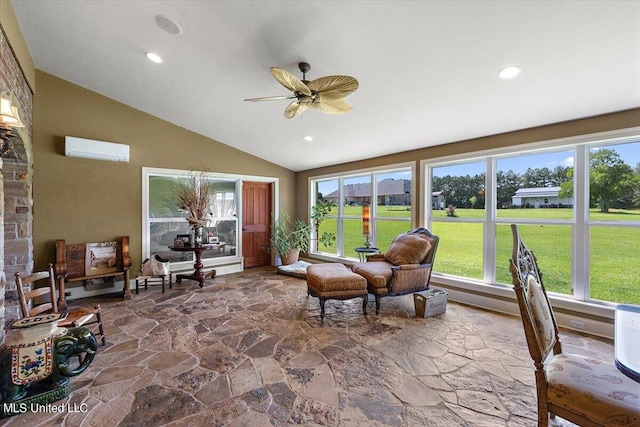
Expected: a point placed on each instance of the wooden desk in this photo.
(627, 340)
(198, 275)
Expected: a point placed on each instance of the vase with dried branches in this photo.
(194, 197)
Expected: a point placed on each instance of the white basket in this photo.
(430, 303)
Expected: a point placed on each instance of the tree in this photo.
(559, 175)
(507, 184)
(566, 188)
(610, 178)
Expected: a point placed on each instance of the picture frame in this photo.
(100, 258)
(185, 238)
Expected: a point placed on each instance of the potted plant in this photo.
(289, 237)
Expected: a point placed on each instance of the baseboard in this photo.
(576, 316)
(78, 292)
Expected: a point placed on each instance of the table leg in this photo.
(198, 275)
(127, 291)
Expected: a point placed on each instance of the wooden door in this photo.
(256, 220)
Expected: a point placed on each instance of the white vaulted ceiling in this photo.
(428, 71)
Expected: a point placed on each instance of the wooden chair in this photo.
(31, 304)
(583, 390)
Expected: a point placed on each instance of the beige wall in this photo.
(607, 122)
(11, 28)
(91, 200)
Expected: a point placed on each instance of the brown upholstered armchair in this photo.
(405, 267)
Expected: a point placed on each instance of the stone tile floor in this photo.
(249, 349)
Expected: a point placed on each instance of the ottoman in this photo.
(335, 281)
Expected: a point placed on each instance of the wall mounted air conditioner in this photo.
(98, 150)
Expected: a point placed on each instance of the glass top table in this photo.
(627, 340)
(364, 251)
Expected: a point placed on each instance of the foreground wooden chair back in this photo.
(36, 300)
(583, 390)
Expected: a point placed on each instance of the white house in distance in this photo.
(541, 197)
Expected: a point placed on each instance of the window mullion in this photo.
(340, 220)
(373, 205)
(580, 230)
(489, 234)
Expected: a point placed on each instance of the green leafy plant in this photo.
(287, 234)
(320, 211)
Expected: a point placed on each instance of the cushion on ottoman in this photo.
(334, 280)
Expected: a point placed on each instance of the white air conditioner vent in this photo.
(98, 150)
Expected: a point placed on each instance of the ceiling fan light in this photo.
(154, 57)
(510, 72)
(308, 138)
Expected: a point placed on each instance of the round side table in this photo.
(364, 251)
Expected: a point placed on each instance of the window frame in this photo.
(580, 223)
(226, 264)
(341, 217)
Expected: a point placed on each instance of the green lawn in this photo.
(615, 267)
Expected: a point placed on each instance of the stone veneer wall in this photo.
(16, 200)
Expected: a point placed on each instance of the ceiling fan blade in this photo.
(330, 105)
(270, 98)
(295, 109)
(290, 81)
(334, 86)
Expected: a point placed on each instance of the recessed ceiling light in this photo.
(168, 25)
(154, 57)
(308, 138)
(510, 72)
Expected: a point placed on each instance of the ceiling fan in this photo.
(325, 94)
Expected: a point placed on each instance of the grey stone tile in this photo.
(251, 349)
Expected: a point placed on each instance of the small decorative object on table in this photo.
(366, 217)
(183, 240)
(195, 197)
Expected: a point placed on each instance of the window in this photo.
(577, 206)
(458, 217)
(614, 218)
(164, 221)
(389, 196)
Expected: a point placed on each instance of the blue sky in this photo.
(630, 153)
